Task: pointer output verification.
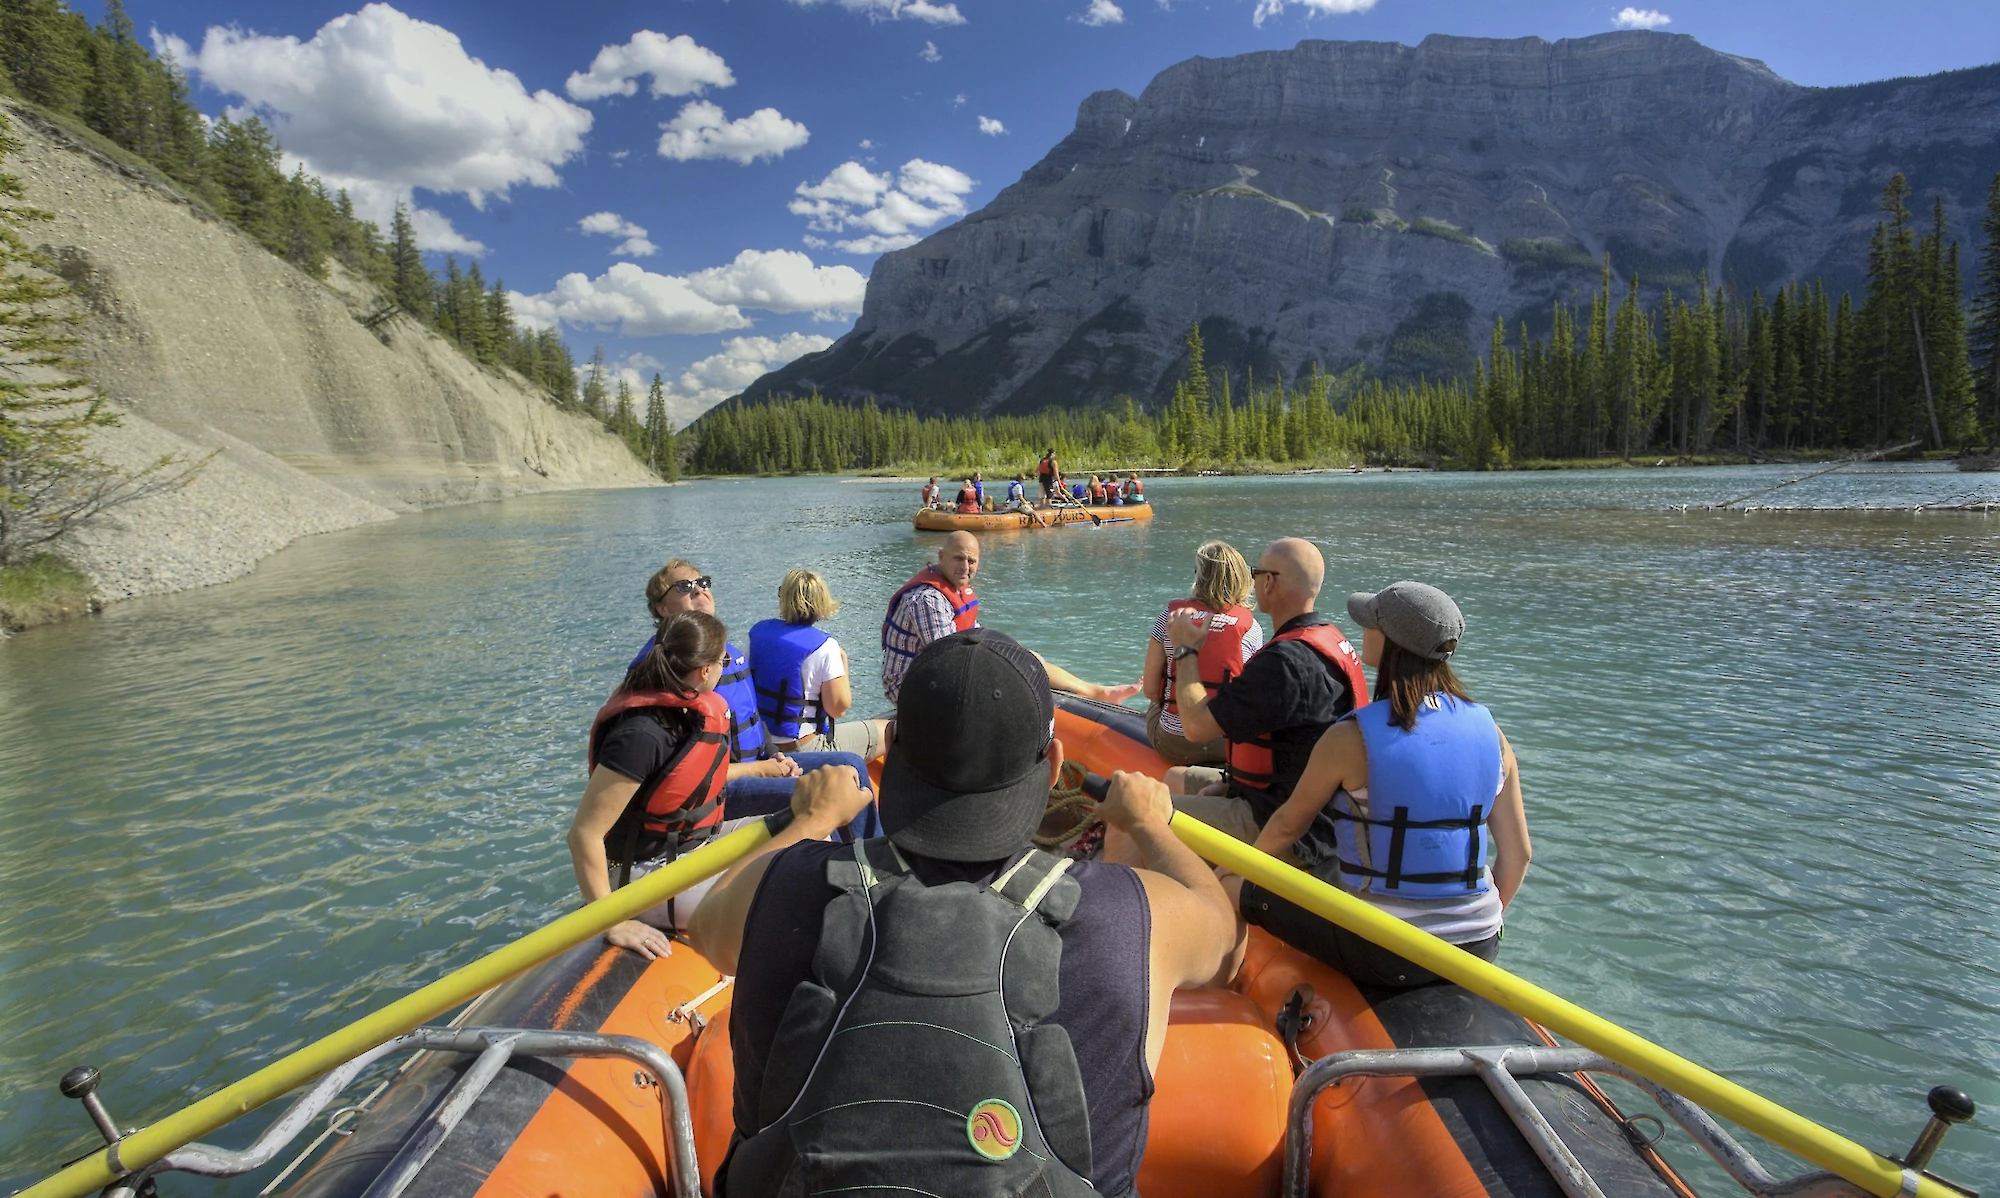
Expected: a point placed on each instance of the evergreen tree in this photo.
(595, 395)
(409, 278)
(44, 50)
(658, 434)
(1984, 336)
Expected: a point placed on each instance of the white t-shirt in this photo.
(820, 667)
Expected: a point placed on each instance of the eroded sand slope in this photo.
(210, 345)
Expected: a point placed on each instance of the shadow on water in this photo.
(1761, 755)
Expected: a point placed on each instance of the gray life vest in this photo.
(917, 1059)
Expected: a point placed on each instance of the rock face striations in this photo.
(1368, 202)
(209, 345)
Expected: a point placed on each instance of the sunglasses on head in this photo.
(688, 586)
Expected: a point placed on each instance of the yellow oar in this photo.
(281, 1077)
(1872, 1172)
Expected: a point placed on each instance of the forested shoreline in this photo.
(1713, 375)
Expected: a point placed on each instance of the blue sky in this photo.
(721, 217)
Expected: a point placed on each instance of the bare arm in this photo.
(835, 697)
(1154, 679)
(1062, 680)
(826, 799)
(1194, 927)
(605, 798)
(1509, 826)
(1339, 762)
(1190, 696)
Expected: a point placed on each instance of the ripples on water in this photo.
(1759, 752)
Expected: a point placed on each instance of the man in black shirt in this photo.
(1295, 687)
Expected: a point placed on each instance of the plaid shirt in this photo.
(927, 613)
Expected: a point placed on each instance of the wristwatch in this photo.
(1184, 651)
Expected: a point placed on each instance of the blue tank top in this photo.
(1430, 791)
(1104, 975)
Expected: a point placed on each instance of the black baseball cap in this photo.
(967, 776)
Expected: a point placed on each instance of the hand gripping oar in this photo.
(1829, 1150)
(280, 1077)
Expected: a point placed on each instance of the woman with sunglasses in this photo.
(1221, 587)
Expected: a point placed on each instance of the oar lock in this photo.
(80, 1083)
(1949, 1105)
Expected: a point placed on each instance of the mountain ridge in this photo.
(1377, 203)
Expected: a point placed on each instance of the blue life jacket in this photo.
(746, 732)
(778, 653)
(1016, 492)
(1430, 791)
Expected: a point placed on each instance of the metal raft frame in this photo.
(491, 1048)
(1499, 1066)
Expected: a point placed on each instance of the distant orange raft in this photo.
(1042, 516)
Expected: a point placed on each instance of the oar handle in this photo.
(280, 1077)
(1095, 785)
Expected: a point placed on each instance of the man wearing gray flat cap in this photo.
(1420, 788)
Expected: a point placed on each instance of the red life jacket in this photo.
(681, 801)
(929, 495)
(1253, 763)
(968, 499)
(1135, 491)
(1221, 656)
(964, 608)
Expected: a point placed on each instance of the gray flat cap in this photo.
(1419, 618)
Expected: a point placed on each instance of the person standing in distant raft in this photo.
(939, 601)
(1416, 788)
(1221, 585)
(802, 675)
(1050, 471)
(929, 495)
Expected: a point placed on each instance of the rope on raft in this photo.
(1067, 802)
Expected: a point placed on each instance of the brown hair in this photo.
(1406, 680)
(1221, 576)
(803, 598)
(656, 586)
(684, 643)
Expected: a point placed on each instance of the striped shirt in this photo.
(928, 614)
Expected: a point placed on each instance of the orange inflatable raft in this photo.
(1222, 1118)
(1042, 516)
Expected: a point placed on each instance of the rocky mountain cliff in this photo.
(210, 345)
(1367, 202)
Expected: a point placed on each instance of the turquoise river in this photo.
(1761, 755)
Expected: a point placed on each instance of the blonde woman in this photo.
(801, 674)
(1221, 584)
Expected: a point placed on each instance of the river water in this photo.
(1761, 755)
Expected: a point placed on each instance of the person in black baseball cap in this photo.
(964, 786)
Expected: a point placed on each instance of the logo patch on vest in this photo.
(994, 1127)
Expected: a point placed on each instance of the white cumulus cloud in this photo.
(930, 53)
(882, 211)
(743, 361)
(897, 10)
(703, 131)
(633, 243)
(783, 281)
(991, 127)
(637, 302)
(1322, 8)
(381, 103)
(1641, 18)
(1101, 12)
(678, 66)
